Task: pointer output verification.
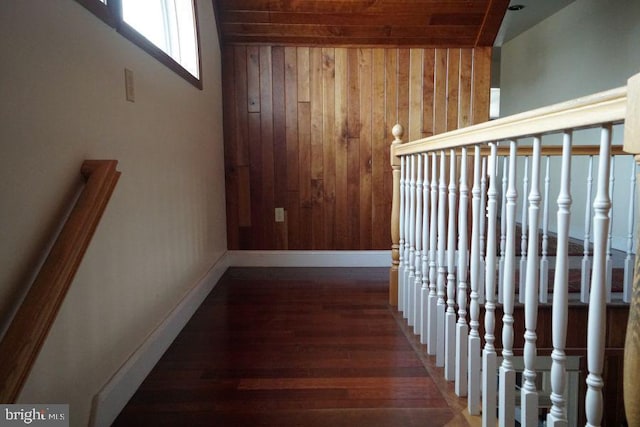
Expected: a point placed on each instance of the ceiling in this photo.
(423, 23)
(534, 11)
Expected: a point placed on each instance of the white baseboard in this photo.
(309, 258)
(113, 397)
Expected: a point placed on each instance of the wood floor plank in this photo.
(294, 347)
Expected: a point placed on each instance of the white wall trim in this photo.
(310, 258)
(115, 394)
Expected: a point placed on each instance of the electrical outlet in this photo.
(128, 85)
(279, 214)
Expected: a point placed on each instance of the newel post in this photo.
(632, 343)
(397, 132)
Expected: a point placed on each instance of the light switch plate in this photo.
(129, 86)
(279, 214)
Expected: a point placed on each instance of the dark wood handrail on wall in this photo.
(33, 320)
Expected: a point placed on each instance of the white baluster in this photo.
(557, 416)
(503, 228)
(628, 261)
(401, 260)
(609, 265)
(473, 398)
(529, 392)
(424, 293)
(417, 285)
(489, 357)
(411, 278)
(507, 373)
(407, 228)
(597, 304)
(462, 329)
(432, 335)
(450, 318)
(483, 228)
(442, 266)
(544, 261)
(523, 240)
(586, 261)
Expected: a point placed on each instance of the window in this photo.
(166, 29)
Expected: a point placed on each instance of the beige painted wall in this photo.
(587, 47)
(62, 101)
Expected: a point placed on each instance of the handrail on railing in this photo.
(605, 107)
(33, 320)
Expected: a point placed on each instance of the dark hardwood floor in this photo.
(295, 347)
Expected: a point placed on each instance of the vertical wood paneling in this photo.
(304, 140)
(267, 143)
(403, 71)
(253, 79)
(453, 82)
(440, 92)
(380, 198)
(391, 82)
(481, 84)
(304, 148)
(427, 92)
(254, 234)
(241, 112)
(279, 143)
(230, 147)
(291, 122)
(353, 193)
(466, 64)
(244, 194)
(342, 137)
(366, 206)
(353, 149)
(415, 94)
(308, 129)
(303, 74)
(329, 146)
(317, 155)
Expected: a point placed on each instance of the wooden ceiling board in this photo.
(420, 23)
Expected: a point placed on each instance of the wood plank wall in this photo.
(308, 129)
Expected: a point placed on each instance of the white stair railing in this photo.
(529, 396)
(507, 381)
(432, 333)
(483, 227)
(439, 261)
(462, 329)
(410, 277)
(401, 234)
(609, 261)
(450, 316)
(597, 298)
(473, 399)
(544, 259)
(629, 259)
(442, 267)
(503, 228)
(557, 416)
(522, 279)
(585, 278)
(489, 356)
(416, 286)
(426, 234)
